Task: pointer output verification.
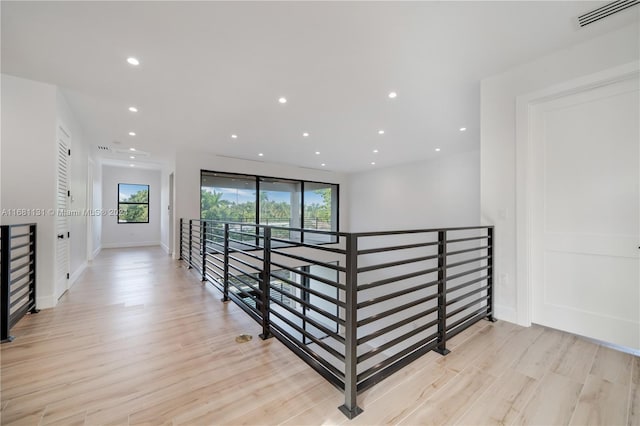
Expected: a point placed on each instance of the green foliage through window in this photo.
(133, 203)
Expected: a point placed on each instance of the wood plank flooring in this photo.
(140, 340)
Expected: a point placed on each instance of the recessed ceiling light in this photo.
(132, 165)
(373, 163)
(375, 151)
(393, 95)
(317, 152)
(260, 154)
(132, 133)
(323, 164)
(234, 136)
(132, 149)
(133, 109)
(132, 157)
(437, 149)
(305, 134)
(282, 100)
(133, 61)
(381, 132)
(463, 129)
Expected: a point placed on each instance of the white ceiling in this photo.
(212, 69)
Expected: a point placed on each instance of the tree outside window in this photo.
(133, 203)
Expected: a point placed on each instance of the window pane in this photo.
(128, 193)
(133, 213)
(280, 205)
(228, 197)
(320, 210)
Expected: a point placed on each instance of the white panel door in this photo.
(586, 213)
(62, 220)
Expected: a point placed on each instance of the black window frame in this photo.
(257, 179)
(135, 204)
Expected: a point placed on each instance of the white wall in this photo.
(28, 168)
(442, 192)
(116, 234)
(498, 139)
(78, 187)
(187, 182)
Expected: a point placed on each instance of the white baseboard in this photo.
(136, 244)
(73, 278)
(506, 313)
(45, 302)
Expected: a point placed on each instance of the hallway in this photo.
(139, 339)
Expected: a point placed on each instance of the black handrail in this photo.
(358, 307)
(17, 275)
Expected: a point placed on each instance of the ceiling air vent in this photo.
(104, 148)
(604, 11)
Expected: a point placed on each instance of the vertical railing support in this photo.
(190, 243)
(441, 348)
(225, 294)
(203, 241)
(32, 260)
(350, 407)
(181, 236)
(265, 284)
(490, 301)
(5, 279)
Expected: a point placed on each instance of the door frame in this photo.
(525, 105)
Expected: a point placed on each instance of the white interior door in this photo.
(586, 213)
(61, 219)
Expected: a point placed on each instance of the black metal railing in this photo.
(17, 275)
(357, 307)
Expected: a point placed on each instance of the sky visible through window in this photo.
(127, 190)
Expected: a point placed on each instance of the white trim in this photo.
(45, 302)
(125, 245)
(73, 278)
(506, 313)
(524, 170)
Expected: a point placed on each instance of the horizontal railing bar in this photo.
(17, 315)
(309, 320)
(311, 261)
(26, 274)
(469, 322)
(453, 253)
(245, 263)
(460, 321)
(311, 306)
(19, 289)
(244, 243)
(463, 273)
(397, 278)
(416, 231)
(248, 309)
(467, 306)
(397, 309)
(21, 266)
(29, 253)
(310, 336)
(315, 361)
(19, 246)
(214, 265)
(250, 285)
(16, 236)
(465, 262)
(404, 360)
(396, 294)
(246, 234)
(392, 248)
(216, 273)
(22, 298)
(397, 263)
(312, 291)
(391, 343)
(467, 284)
(241, 294)
(396, 325)
(464, 296)
(313, 246)
(247, 253)
(393, 358)
(309, 275)
(459, 240)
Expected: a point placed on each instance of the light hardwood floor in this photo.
(139, 340)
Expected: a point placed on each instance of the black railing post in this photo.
(490, 301)
(5, 277)
(190, 243)
(181, 236)
(32, 260)
(442, 294)
(225, 296)
(350, 407)
(265, 284)
(203, 238)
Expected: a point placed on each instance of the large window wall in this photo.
(271, 201)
